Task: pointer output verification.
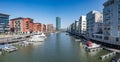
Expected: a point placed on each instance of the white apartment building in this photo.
(94, 25)
(111, 16)
(76, 26)
(72, 26)
(82, 25)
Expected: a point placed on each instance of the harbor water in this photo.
(58, 47)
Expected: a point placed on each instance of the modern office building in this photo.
(4, 23)
(58, 23)
(111, 16)
(94, 24)
(82, 25)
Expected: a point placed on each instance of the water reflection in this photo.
(58, 43)
(93, 53)
(37, 44)
(58, 38)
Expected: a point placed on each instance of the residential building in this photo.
(94, 25)
(4, 23)
(37, 27)
(58, 23)
(43, 28)
(111, 17)
(69, 28)
(27, 25)
(21, 25)
(73, 28)
(82, 25)
(76, 26)
(50, 28)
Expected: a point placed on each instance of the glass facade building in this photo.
(58, 23)
(4, 23)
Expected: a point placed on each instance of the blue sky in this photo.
(45, 11)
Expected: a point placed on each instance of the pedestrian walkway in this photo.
(111, 49)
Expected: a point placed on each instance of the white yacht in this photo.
(38, 37)
(43, 36)
(8, 48)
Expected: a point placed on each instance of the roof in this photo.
(37, 23)
(4, 14)
(17, 18)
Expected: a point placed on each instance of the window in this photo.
(92, 35)
(106, 38)
(84, 21)
(117, 39)
(119, 27)
(84, 24)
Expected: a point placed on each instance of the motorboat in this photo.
(43, 36)
(38, 37)
(92, 45)
(8, 48)
(24, 43)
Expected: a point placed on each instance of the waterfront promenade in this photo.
(111, 49)
(13, 38)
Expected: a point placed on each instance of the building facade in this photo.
(50, 28)
(21, 25)
(37, 27)
(27, 25)
(94, 24)
(73, 28)
(102, 27)
(4, 23)
(111, 16)
(76, 26)
(82, 25)
(43, 28)
(58, 23)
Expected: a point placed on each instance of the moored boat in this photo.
(92, 45)
(8, 48)
(38, 37)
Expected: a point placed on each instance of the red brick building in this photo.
(37, 27)
(11, 23)
(26, 25)
(21, 25)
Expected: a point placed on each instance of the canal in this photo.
(58, 47)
